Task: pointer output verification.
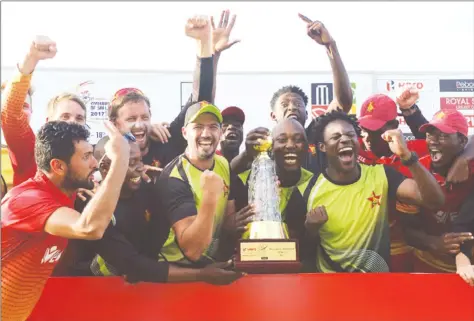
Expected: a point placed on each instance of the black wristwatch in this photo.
(412, 160)
(412, 109)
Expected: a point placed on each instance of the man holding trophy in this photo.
(274, 241)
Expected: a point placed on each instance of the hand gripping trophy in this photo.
(267, 247)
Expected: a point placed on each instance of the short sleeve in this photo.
(177, 199)
(29, 210)
(394, 179)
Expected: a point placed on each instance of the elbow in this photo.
(92, 234)
(193, 254)
(435, 203)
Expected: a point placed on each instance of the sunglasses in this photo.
(124, 91)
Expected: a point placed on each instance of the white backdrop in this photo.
(250, 91)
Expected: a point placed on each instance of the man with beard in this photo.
(433, 237)
(195, 191)
(289, 151)
(233, 132)
(133, 239)
(38, 215)
(130, 109)
(349, 201)
(17, 109)
(291, 102)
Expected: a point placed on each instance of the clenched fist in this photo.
(41, 48)
(397, 144)
(408, 98)
(315, 219)
(198, 28)
(212, 184)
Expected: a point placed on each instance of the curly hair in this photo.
(322, 121)
(285, 90)
(55, 140)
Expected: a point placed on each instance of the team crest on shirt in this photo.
(374, 199)
(226, 189)
(444, 217)
(51, 255)
(156, 163)
(312, 149)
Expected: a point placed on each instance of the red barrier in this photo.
(332, 297)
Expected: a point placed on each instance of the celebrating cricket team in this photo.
(159, 202)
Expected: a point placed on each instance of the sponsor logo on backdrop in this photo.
(456, 85)
(186, 90)
(457, 103)
(97, 107)
(321, 97)
(97, 110)
(397, 85)
(323, 93)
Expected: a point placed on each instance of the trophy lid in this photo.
(264, 145)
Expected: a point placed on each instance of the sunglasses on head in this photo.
(124, 91)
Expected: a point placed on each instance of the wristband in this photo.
(412, 160)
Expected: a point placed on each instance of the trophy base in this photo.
(267, 256)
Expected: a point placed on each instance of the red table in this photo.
(332, 297)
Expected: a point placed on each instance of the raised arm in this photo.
(221, 42)
(17, 132)
(423, 189)
(192, 226)
(342, 86)
(414, 118)
(95, 218)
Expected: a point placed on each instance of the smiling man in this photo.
(433, 237)
(233, 119)
(289, 150)
(349, 201)
(38, 215)
(195, 190)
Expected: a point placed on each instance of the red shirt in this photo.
(29, 254)
(440, 221)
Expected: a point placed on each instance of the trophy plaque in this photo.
(268, 248)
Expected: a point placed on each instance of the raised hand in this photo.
(253, 139)
(317, 31)
(397, 144)
(198, 28)
(117, 147)
(221, 34)
(408, 98)
(41, 48)
(151, 173)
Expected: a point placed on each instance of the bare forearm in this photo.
(342, 85)
(462, 260)
(419, 239)
(178, 274)
(195, 239)
(97, 214)
(431, 194)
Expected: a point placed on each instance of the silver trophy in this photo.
(264, 194)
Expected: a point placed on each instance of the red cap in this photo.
(449, 122)
(376, 111)
(234, 112)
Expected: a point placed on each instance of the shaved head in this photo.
(288, 124)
